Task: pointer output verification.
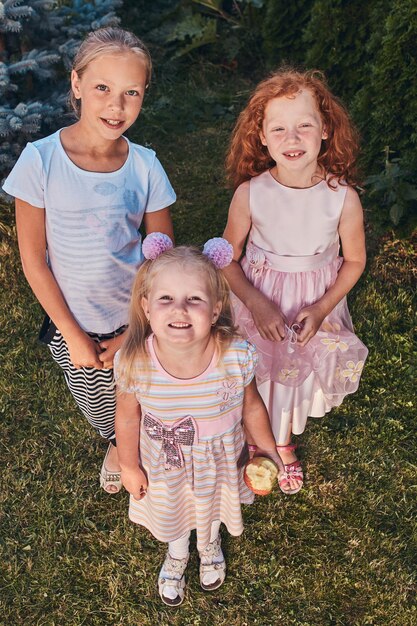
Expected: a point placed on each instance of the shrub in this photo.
(283, 29)
(386, 105)
(335, 40)
(226, 30)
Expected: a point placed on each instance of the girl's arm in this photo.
(352, 236)
(159, 222)
(30, 224)
(257, 424)
(128, 415)
(156, 221)
(266, 315)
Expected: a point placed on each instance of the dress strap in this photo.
(261, 259)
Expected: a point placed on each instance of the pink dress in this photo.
(292, 257)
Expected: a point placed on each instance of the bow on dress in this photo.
(183, 431)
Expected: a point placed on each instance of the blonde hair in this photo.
(188, 258)
(111, 40)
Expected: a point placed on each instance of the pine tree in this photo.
(38, 39)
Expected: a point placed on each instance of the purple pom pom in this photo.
(219, 251)
(155, 244)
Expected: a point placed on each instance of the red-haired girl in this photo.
(292, 164)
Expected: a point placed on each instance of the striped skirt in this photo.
(209, 486)
(92, 389)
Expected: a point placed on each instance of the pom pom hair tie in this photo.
(217, 249)
(155, 244)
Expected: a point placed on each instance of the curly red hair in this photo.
(247, 157)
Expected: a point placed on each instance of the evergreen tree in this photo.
(282, 31)
(335, 42)
(386, 105)
(38, 39)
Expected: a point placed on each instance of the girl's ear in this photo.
(75, 84)
(217, 309)
(145, 307)
(262, 138)
(324, 133)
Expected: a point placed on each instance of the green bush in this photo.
(283, 29)
(226, 31)
(394, 189)
(386, 106)
(335, 40)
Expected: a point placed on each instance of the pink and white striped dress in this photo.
(191, 439)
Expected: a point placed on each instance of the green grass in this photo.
(341, 552)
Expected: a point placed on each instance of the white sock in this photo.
(211, 577)
(215, 527)
(178, 549)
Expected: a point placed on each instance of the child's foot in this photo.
(171, 580)
(212, 566)
(110, 479)
(292, 481)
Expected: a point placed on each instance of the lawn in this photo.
(341, 552)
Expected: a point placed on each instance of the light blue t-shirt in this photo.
(92, 221)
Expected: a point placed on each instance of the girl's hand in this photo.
(310, 319)
(268, 319)
(135, 482)
(84, 352)
(272, 454)
(109, 348)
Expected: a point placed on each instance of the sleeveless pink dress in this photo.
(292, 257)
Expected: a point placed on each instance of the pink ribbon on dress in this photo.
(183, 431)
(256, 257)
(292, 335)
(260, 259)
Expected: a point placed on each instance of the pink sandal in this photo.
(292, 470)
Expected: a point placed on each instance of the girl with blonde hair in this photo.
(186, 384)
(81, 195)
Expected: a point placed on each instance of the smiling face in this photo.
(180, 306)
(292, 130)
(111, 90)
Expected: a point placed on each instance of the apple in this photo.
(260, 475)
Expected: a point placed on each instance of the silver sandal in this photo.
(174, 577)
(109, 478)
(212, 550)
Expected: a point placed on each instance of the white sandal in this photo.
(212, 550)
(174, 577)
(109, 478)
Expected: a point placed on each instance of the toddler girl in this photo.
(185, 383)
(291, 161)
(81, 196)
